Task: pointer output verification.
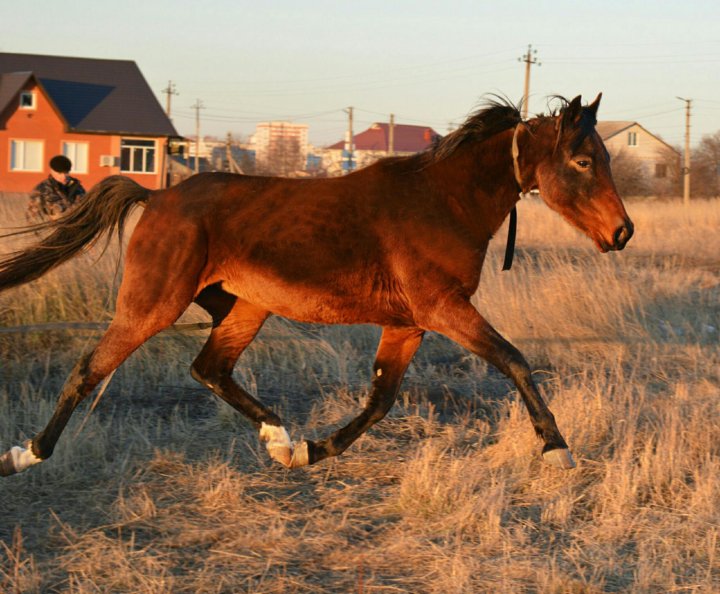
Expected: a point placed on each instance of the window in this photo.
(660, 170)
(77, 152)
(27, 100)
(26, 155)
(632, 138)
(137, 156)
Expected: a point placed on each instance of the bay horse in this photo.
(400, 244)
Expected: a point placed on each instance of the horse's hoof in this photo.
(559, 458)
(17, 459)
(7, 466)
(301, 456)
(278, 443)
(281, 454)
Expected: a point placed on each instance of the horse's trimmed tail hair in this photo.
(105, 207)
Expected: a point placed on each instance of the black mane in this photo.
(496, 115)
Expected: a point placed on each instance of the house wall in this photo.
(45, 124)
(648, 149)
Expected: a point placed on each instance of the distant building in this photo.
(377, 142)
(180, 167)
(243, 158)
(632, 140)
(281, 148)
(101, 114)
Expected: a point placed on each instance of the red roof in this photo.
(408, 139)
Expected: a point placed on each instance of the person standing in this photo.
(56, 194)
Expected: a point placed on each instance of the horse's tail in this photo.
(105, 207)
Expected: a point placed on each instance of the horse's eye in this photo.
(582, 163)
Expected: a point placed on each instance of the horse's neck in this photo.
(480, 182)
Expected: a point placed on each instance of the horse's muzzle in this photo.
(622, 235)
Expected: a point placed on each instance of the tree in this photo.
(705, 167)
(284, 156)
(631, 177)
(667, 181)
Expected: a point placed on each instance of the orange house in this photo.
(101, 114)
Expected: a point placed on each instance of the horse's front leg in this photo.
(457, 319)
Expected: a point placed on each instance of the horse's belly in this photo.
(334, 302)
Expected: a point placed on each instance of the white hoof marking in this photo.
(559, 458)
(300, 456)
(278, 443)
(23, 458)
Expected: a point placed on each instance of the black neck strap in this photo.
(510, 245)
(512, 224)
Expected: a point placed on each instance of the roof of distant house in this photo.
(407, 138)
(91, 95)
(11, 85)
(609, 129)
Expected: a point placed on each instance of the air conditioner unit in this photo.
(107, 161)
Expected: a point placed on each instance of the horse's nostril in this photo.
(618, 235)
(622, 235)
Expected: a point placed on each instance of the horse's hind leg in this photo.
(119, 341)
(235, 324)
(395, 351)
(152, 296)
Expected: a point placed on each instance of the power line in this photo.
(634, 60)
(379, 83)
(387, 71)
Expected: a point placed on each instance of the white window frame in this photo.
(19, 157)
(78, 158)
(145, 149)
(33, 100)
(632, 139)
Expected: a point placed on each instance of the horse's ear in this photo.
(571, 114)
(593, 107)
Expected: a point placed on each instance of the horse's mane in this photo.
(495, 115)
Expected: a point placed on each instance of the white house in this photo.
(632, 140)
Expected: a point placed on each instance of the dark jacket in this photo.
(50, 198)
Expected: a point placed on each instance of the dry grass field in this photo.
(164, 489)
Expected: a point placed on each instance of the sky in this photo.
(427, 62)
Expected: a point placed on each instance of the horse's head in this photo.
(564, 158)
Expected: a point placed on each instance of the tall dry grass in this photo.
(163, 489)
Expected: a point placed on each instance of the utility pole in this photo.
(233, 167)
(391, 135)
(349, 144)
(529, 58)
(686, 167)
(169, 91)
(197, 107)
